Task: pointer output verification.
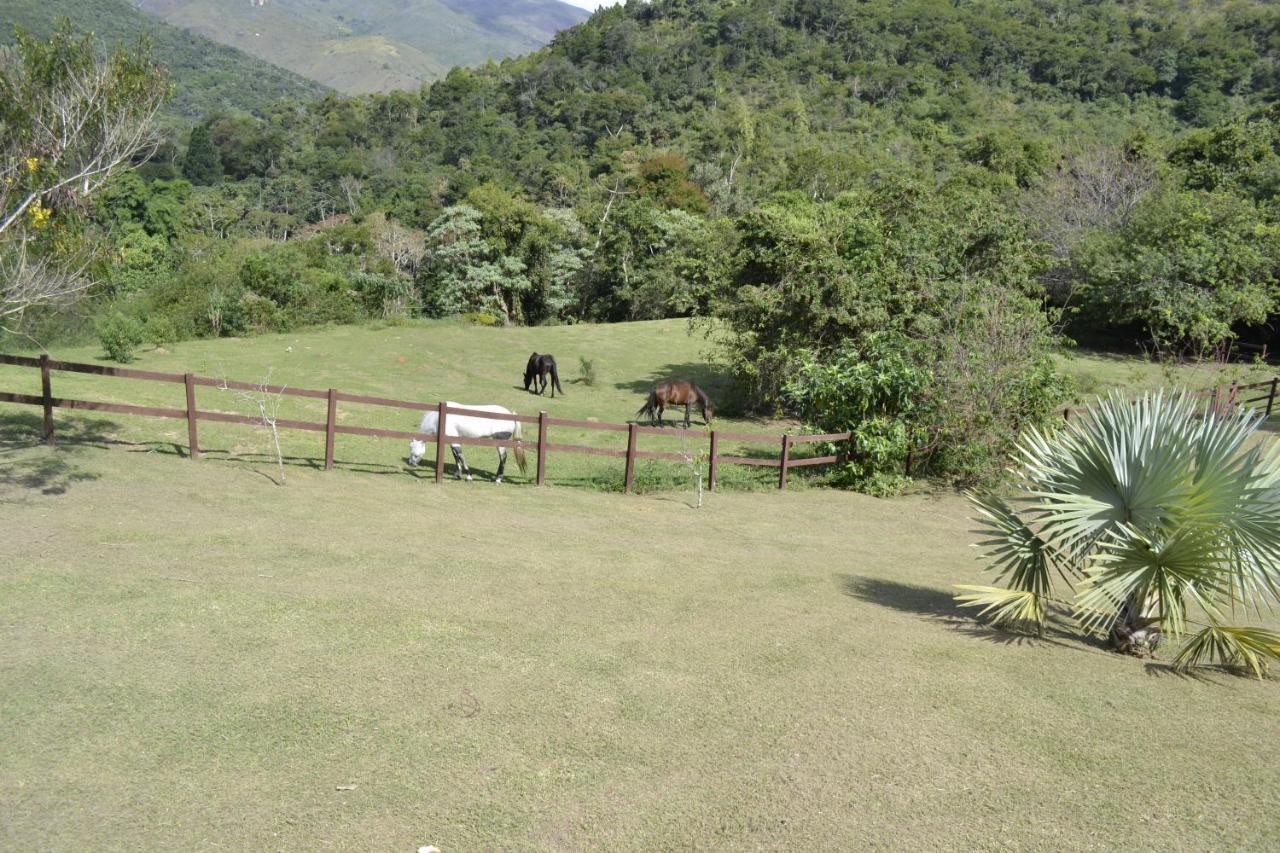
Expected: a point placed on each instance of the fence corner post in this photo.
(46, 399)
(629, 479)
(193, 435)
(712, 462)
(330, 423)
(441, 413)
(542, 448)
(786, 460)
(1271, 398)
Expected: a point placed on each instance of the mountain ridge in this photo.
(209, 77)
(382, 45)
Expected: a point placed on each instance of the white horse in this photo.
(468, 426)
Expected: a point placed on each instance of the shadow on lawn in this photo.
(940, 606)
(52, 472)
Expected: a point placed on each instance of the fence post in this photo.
(440, 416)
(786, 459)
(46, 397)
(330, 423)
(193, 437)
(629, 478)
(542, 448)
(1271, 398)
(712, 463)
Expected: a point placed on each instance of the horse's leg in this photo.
(660, 408)
(460, 464)
(502, 463)
(686, 415)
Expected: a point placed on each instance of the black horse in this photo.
(535, 373)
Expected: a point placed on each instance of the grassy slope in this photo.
(427, 361)
(208, 76)
(195, 657)
(372, 46)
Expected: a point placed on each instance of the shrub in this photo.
(120, 334)
(873, 392)
(383, 295)
(159, 329)
(481, 318)
(586, 371)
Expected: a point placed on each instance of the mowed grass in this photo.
(1096, 373)
(429, 362)
(192, 656)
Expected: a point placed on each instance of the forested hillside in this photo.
(208, 77)
(927, 187)
(373, 45)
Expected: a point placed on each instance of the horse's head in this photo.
(417, 450)
(708, 411)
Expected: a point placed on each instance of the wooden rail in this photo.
(192, 414)
(1220, 399)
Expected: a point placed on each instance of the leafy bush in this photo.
(873, 392)
(586, 371)
(481, 318)
(383, 295)
(159, 329)
(907, 317)
(120, 335)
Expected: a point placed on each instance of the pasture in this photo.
(194, 656)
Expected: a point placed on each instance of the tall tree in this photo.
(69, 119)
(202, 165)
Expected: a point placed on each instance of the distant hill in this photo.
(375, 45)
(208, 77)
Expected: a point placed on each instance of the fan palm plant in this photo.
(1161, 522)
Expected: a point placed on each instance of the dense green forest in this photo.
(871, 197)
(207, 76)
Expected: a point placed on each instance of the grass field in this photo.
(428, 362)
(192, 656)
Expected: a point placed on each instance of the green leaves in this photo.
(1247, 648)
(1005, 606)
(1155, 514)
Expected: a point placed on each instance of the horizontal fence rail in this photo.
(192, 414)
(1218, 400)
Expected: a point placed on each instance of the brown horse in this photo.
(676, 393)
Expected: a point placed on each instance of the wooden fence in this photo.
(192, 414)
(1218, 400)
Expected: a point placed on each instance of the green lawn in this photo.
(194, 657)
(1096, 373)
(428, 361)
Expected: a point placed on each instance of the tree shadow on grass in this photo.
(1202, 675)
(940, 606)
(715, 379)
(45, 471)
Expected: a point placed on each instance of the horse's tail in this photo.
(518, 434)
(650, 407)
(555, 376)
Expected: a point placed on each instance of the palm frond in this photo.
(1018, 555)
(1186, 567)
(1005, 606)
(1246, 648)
(1128, 463)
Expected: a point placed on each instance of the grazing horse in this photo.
(536, 371)
(469, 426)
(676, 393)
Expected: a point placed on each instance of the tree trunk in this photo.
(1136, 630)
